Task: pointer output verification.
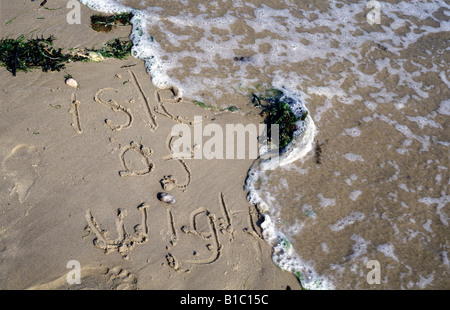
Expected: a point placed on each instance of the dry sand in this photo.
(79, 179)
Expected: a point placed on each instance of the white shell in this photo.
(164, 197)
(72, 83)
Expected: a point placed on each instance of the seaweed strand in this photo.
(23, 54)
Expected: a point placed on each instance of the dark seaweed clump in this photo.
(116, 48)
(23, 54)
(276, 109)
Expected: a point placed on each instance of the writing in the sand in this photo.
(210, 228)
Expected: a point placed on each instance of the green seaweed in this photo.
(10, 21)
(300, 279)
(304, 116)
(24, 54)
(201, 104)
(116, 48)
(276, 109)
(205, 106)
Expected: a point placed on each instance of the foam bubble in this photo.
(423, 121)
(326, 202)
(444, 107)
(355, 194)
(425, 281)
(359, 247)
(388, 250)
(427, 225)
(353, 132)
(440, 204)
(348, 220)
(353, 157)
(445, 259)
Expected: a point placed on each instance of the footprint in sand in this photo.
(20, 168)
(95, 278)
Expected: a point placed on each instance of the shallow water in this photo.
(375, 184)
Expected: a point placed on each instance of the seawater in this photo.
(366, 178)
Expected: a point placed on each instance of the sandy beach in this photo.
(360, 200)
(81, 169)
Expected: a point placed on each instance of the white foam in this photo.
(353, 132)
(445, 259)
(326, 202)
(403, 187)
(359, 247)
(440, 203)
(355, 194)
(388, 250)
(438, 178)
(353, 157)
(348, 220)
(425, 281)
(444, 78)
(349, 180)
(427, 225)
(423, 121)
(425, 140)
(402, 151)
(444, 107)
